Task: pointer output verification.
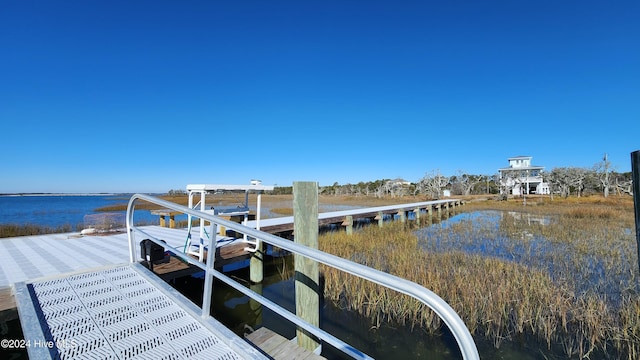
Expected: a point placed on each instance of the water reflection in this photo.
(520, 237)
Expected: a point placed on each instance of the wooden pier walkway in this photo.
(346, 217)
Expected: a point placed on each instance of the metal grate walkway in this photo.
(114, 313)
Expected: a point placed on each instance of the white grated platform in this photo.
(116, 313)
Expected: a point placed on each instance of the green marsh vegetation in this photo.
(563, 273)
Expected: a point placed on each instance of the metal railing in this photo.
(439, 306)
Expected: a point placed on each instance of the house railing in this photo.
(439, 306)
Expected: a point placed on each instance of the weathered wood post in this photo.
(256, 266)
(348, 223)
(635, 177)
(402, 215)
(307, 279)
(380, 218)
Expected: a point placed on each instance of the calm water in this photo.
(74, 210)
(58, 210)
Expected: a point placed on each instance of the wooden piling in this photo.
(256, 264)
(380, 218)
(307, 280)
(348, 223)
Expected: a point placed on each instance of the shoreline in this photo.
(61, 194)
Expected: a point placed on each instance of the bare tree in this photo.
(576, 178)
(433, 184)
(465, 182)
(602, 169)
(563, 180)
(624, 187)
(559, 181)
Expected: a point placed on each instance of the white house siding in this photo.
(518, 166)
(543, 189)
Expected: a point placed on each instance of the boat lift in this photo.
(243, 210)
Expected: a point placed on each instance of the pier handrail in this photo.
(433, 301)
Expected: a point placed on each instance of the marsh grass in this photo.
(564, 273)
(12, 230)
(285, 211)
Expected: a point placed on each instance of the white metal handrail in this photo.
(433, 301)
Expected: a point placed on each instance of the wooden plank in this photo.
(7, 301)
(173, 267)
(278, 347)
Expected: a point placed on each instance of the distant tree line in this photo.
(563, 181)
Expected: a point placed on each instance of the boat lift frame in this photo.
(203, 190)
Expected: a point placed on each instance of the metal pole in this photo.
(189, 221)
(130, 234)
(208, 273)
(256, 264)
(635, 168)
(203, 194)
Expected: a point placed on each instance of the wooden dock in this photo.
(278, 347)
(30, 257)
(347, 217)
(87, 264)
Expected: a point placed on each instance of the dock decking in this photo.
(30, 257)
(119, 312)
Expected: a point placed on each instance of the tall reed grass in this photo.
(568, 279)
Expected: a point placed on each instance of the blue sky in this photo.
(148, 96)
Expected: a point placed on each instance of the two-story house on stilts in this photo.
(522, 178)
